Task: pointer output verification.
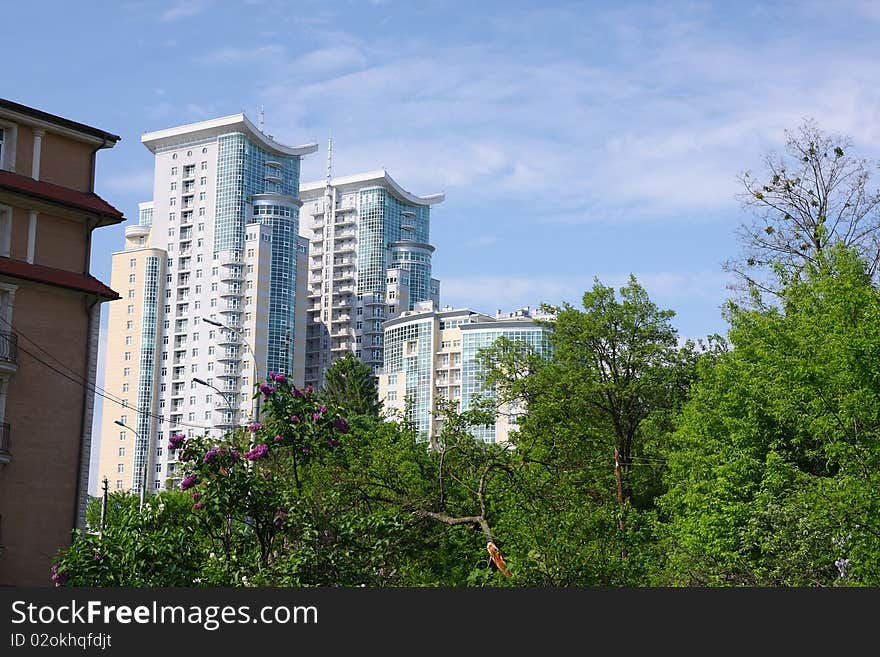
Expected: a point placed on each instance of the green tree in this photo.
(774, 475)
(350, 384)
(158, 545)
(613, 381)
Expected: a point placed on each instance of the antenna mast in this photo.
(262, 118)
(329, 158)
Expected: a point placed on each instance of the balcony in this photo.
(227, 290)
(8, 353)
(5, 444)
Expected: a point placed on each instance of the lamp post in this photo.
(143, 490)
(247, 345)
(223, 394)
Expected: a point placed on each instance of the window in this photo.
(174, 169)
(131, 310)
(392, 395)
(129, 325)
(173, 185)
(131, 294)
(172, 201)
(127, 355)
(126, 371)
(121, 435)
(132, 263)
(204, 164)
(131, 278)
(203, 180)
(122, 451)
(127, 339)
(120, 467)
(119, 484)
(124, 387)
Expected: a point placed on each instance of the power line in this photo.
(91, 387)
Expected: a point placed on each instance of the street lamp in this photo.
(143, 490)
(228, 399)
(247, 345)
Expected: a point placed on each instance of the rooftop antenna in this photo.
(262, 118)
(329, 158)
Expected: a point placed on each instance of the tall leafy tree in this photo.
(774, 476)
(350, 384)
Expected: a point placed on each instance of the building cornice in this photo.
(160, 140)
(377, 178)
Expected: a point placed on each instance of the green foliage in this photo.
(155, 546)
(350, 385)
(635, 461)
(774, 474)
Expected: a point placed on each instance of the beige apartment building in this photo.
(49, 324)
(209, 278)
(432, 354)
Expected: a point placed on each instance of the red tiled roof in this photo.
(58, 277)
(58, 194)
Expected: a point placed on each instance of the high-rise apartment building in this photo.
(209, 279)
(369, 259)
(432, 354)
(49, 324)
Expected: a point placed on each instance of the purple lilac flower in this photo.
(322, 409)
(278, 439)
(187, 483)
(175, 441)
(270, 492)
(306, 450)
(294, 418)
(333, 442)
(257, 452)
(199, 505)
(308, 390)
(196, 496)
(256, 426)
(278, 377)
(341, 425)
(266, 389)
(296, 392)
(60, 579)
(316, 416)
(211, 455)
(234, 455)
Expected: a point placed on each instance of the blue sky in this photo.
(573, 140)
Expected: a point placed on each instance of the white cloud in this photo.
(325, 60)
(185, 9)
(487, 293)
(235, 55)
(138, 183)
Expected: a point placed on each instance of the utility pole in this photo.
(619, 495)
(104, 486)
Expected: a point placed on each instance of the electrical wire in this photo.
(90, 387)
